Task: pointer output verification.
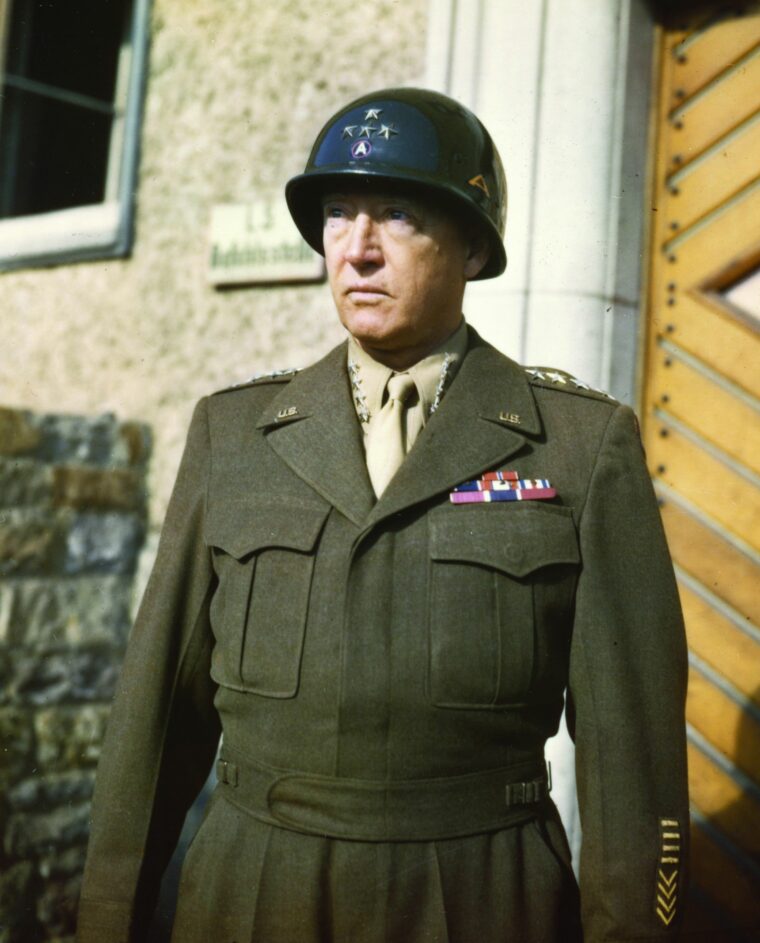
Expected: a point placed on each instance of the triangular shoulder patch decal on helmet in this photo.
(479, 182)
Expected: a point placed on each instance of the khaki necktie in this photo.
(386, 442)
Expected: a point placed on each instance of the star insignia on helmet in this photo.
(373, 114)
(366, 130)
(536, 374)
(348, 131)
(386, 131)
(555, 377)
(579, 384)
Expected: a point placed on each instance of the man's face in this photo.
(397, 268)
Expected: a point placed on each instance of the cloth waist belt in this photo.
(367, 810)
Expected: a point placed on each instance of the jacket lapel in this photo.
(312, 425)
(483, 419)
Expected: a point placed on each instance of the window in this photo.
(69, 118)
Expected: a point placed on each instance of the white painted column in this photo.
(548, 79)
(551, 81)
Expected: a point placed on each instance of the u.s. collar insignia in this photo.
(512, 418)
(287, 413)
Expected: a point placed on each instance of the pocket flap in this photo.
(516, 540)
(241, 528)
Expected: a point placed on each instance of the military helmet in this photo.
(408, 136)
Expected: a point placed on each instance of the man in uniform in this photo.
(378, 577)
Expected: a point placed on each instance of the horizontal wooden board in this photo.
(704, 328)
(711, 180)
(707, 249)
(706, 52)
(704, 481)
(721, 645)
(721, 568)
(727, 726)
(724, 419)
(710, 115)
(725, 882)
(724, 802)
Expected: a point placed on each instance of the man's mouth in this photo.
(361, 291)
(365, 288)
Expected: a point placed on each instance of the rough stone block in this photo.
(79, 439)
(134, 444)
(104, 543)
(28, 541)
(28, 835)
(81, 611)
(57, 905)
(18, 433)
(24, 481)
(17, 752)
(43, 679)
(70, 738)
(6, 610)
(51, 790)
(97, 488)
(17, 894)
(65, 864)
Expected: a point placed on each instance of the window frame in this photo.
(98, 230)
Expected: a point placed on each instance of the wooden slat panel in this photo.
(712, 181)
(726, 883)
(703, 237)
(725, 420)
(725, 571)
(724, 802)
(713, 114)
(703, 328)
(724, 723)
(721, 645)
(709, 54)
(705, 482)
(708, 249)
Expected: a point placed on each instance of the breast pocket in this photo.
(497, 573)
(264, 559)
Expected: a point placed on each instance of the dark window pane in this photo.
(73, 44)
(53, 153)
(60, 155)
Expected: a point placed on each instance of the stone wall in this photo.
(72, 522)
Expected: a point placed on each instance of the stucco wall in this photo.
(237, 90)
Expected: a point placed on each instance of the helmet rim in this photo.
(304, 192)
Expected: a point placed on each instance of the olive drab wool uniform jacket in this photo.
(385, 674)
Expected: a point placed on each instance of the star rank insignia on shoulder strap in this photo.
(551, 378)
(274, 376)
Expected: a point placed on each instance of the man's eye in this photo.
(334, 212)
(398, 214)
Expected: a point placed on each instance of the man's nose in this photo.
(363, 247)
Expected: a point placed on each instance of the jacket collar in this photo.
(483, 419)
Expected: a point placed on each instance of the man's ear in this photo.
(478, 252)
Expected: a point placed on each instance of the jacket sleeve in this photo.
(163, 729)
(628, 669)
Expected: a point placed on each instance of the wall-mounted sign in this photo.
(258, 242)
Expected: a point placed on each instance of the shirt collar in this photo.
(432, 375)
